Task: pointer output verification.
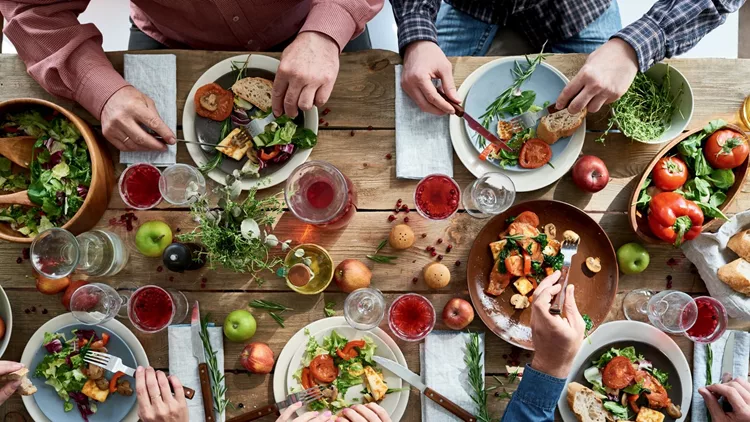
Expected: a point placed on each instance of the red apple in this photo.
(590, 173)
(257, 358)
(458, 313)
(72, 287)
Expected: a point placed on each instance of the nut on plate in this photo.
(594, 264)
(436, 275)
(519, 301)
(571, 236)
(401, 237)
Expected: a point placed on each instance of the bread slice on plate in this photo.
(256, 91)
(558, 125)
(740, 244)
(585, 405)
(736, 275)
(26, 388)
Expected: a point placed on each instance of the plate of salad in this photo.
(226, 106)
(341, 358)
(72, 390)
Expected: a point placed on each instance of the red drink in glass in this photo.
(437, 197)
(411, 317)
(319, 194)
(711, 322)
(139, 186)
(151, 308)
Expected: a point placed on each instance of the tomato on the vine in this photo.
(726, 149)
(669, 173)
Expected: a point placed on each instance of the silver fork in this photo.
(530, 118)
(568, 249)
(305, 396)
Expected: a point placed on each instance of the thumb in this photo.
(8, 390)
(449, 86)
(7, 366)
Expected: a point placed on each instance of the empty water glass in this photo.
(489, 195)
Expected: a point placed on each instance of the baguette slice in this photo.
(558, 125)
(740, 244)
(736, 275)
(26, 388)
(586, 406)
(256, 91)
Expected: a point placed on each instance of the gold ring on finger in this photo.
(125, 141)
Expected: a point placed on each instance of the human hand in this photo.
(6, 367)
(371, 412)
(603, 79)
(423, 62)
(556, 339)
(307, 72)
(736, 392)
(286, 415)
(155, 400)
(122, 116)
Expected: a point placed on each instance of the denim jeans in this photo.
(462, 35)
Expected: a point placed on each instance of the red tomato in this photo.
(220, 101)
(534, 154)
(323, 369)
(618, 373)
(528, 217)
(268, 156)
(306, 378)
(348, 351)
(514, 265)
(669, 173)
(726, 149)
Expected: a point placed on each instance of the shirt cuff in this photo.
(333, 20)
(539, 389)
(96, 87)
(647, 39)
(416, 28)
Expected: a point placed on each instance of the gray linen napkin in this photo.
(709, 252)
(184, 365)
(423, 142)
(741, 359)
(444, 370)
(156, 76)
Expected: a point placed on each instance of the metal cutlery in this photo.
(114, 364)
(727, 368)
(200, 353)
(305, 396)
(475, 125)
(530, 118)
(568, 249)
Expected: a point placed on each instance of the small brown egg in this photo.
(402, 237)
(436, 275)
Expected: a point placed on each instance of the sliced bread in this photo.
(740, 244)
(26, 388)
(256, 91)
(558, 125)
(586, 406)
(736, 275)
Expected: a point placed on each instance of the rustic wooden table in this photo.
(359, 138)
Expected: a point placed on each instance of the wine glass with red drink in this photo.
(139, 186)
(437, 197)
(411, 317)
(711, 322)
(320, 194)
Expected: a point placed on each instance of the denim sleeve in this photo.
(416, 20)
(535, 399)
(673, 27)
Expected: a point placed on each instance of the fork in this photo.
(305, 396)
(114, 365)
(568, 249)
(529, 119)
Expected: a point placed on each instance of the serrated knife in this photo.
(200, 353)
(416, 381)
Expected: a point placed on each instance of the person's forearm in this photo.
(535, 399)
(416, 21)
(341, 20)
(65, 57)
(673, 27)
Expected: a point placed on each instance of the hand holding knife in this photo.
(200, 354)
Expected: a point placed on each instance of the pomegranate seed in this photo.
(351, 133)
(320, 121)
(326, 111)
(399, 202)
(448, 248)
(325, 124)
(458, 263)
(424, 235)
(440, 257)
(414, 280)
(19, 260)
(388, 156)
(427, 248)
(433, 253)
(44, 311)
(391, 218)
(159, 269)
(204, 280)
(25, 253)
(405, 208)
(33, 309)
(439, 241)
(406, 219)
(369, 127)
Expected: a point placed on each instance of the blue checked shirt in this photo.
(670, 28)
(535, 399)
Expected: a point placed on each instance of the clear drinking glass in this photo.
(364, 308)
(489, 195)
(437, 197)
(97, 303)
(56, 253)
(181, 184)
(671, 311)
(320, 194)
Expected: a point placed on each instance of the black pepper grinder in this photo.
(181, 257)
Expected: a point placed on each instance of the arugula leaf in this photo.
(711, 211)
(697, 189)
(643, 197)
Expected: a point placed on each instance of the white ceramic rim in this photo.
(256, 61)
(526, 181)
(5, 303)
(619, 331)
(298, 340)
(64, 320)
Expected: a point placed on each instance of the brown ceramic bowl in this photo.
(595, 293)
(102, 177)
(639, 222)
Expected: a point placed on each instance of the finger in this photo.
(289, 411)
(308, 417)
(307, 97)
(353, 416)
(166, 392)
(382, 414)
(140, 139)
(323, 417)
(743, 382)
(712, 403)
(732, 395)
(740, 390)
(116, 138)
(280, 84)
(179, 391)
(571, 310)
(574, 87)
(292, 98)
(8, 390)
(323, 94)
(597, 103)
(141, 390)
(431, 95)
(366, 413)
(543, 301)
(149, 116)
(548, 282)
(7, 366)
(152, 385)
(449, 86)
(422, 102)
(581, 100)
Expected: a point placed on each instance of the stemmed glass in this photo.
(489, 195)
(181, 184)
(671, 311)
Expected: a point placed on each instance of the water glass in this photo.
(97, 303)
(671, 311)
(364, 308)
(489, 195)
(181, 184)
(55, 253)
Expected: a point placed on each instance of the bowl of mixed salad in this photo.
(69, 179)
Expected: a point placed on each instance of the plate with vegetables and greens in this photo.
(626, 371)
(694, 178)
(222, 105)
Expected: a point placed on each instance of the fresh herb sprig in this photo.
(382, 259)
(473, 359)
(328, 309)
(381, 245)
(278, 318)
(218, 387)
(709, 364)
(274, 309)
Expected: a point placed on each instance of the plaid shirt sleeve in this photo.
(673, 27)
(416, 21)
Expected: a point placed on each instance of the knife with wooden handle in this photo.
(200, 353)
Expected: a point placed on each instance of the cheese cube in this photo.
(497, 247)
(523, 285)
(649, 415)
(231, 149)
(93, 392)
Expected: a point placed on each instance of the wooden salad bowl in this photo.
(639, 222)
(102, 172)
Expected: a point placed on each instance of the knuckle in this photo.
(289, 102)
(140, 139)
(153, 122)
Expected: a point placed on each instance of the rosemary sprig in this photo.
(268, 305)
(278, 318)
(218, 388)
(473, 361)
(709, 363)
(328, 309)
(383, 259)
(513, 376)
(381, 245)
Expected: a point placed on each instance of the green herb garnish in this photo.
(473, 359)
(381, 245)
(328, 309)
(268, 305)
(383, 259)
(278, 318)
(218, 388)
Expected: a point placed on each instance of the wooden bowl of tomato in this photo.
(702, 170)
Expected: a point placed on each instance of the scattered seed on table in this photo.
(19, 260)
(391, 218)
(204, 280)
(159, 269)
(414, 280)
(171, 278)
(369, 127)
(440, 257)
(25, 253)
(405, 208)
(458, 263)
(448, 248)
(351, 133)
(320, 121)
(428, 248)
(424, 235)
(433, 253)
(439, 241)
(27, 310)
(406, 219)
(325, 124)
(33, 309)
(388, 156)
(240, 405)
(44, 311)
(177, 230)
(326, 111)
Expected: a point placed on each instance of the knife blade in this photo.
(416, 381)
(727, 368)
(475, 125)
(200, 354)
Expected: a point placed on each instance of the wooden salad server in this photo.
(19, 150)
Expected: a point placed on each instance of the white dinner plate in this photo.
(64, 320)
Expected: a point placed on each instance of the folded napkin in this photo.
(741, 358)
(423, 142)
(156, 76)
(709, 252)
(184, 365)
(444, 370)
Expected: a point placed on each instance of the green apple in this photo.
(239, 325)
(153, 237)
(633, 258)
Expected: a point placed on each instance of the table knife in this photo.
(727, 368)
(200, 353)
(415, 381)
(475, 125)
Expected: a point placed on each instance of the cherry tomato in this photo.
(726, 149)
(349, 351)
(669, 173)
(528, 217)
(323, 369)
(618, 373)
(213, 102)
(306, 378)
(489, 149)
(534, 154)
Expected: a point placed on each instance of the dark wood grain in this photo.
(448, 405)
(208, 397)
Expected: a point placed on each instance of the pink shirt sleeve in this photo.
(342, 20)
(63, 55)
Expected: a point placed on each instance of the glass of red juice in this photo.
(411, 317)
(711, 322)
(437, 197)
(139, 186)
(151, 308)
(319, 194)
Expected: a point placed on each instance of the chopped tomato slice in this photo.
(534, 154)
(268, 156)
(113, 382)
(632, 399)
(526, 263)
(323, 369)
(213, 102)
(348, 351)
(489, 149)
(514, 265)
(528, 217)
(306, 378)
(618, 373)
